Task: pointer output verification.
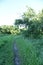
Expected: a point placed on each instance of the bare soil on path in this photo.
(16, 55)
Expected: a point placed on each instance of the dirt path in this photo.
(16, 59)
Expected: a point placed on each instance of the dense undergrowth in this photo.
(6, 50)
(30, 51)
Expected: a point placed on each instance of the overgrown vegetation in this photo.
(33, 23)
(9, 30)
(6, 50)
(30, 51)
(31, 48)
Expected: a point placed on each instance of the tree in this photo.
(29, 14)
(31, 20)
(26, 17)
(18, 21)
(40, 17)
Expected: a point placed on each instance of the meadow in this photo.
(6, 50)
(30, 51)
(23, 39)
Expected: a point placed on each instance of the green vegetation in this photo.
(30, 51)
(33, 23)
(29, 40)
(6, 50)
(9, 30)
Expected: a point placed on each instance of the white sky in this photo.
(13, 9)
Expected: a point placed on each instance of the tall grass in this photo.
(6, 50)
(30, 51)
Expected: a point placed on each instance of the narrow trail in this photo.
(16, 58)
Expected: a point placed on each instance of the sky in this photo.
(13, 9)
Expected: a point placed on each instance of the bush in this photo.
(34, 30)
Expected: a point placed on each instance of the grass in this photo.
(6, 50)
(30, 51)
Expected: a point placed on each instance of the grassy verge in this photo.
(6, 50)
(30, 51)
